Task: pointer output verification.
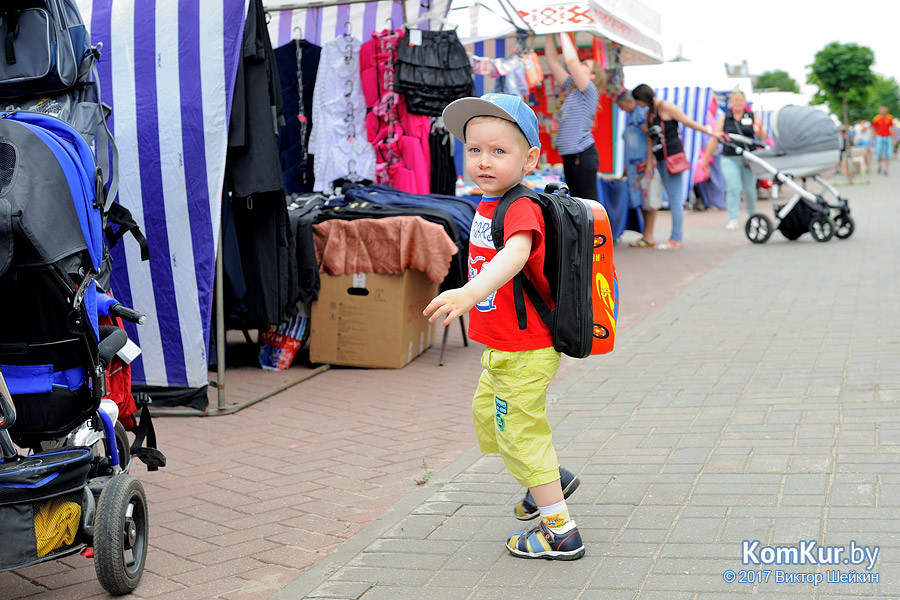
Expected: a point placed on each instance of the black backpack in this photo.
(569, 247)
(42, 43)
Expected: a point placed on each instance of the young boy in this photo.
(500, 133)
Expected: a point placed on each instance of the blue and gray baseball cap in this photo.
(505, 106)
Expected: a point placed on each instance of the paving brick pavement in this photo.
(761, 403)
(253, 500)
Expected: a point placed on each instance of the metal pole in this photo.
(220, 321)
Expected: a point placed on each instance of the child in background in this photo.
(500, 133)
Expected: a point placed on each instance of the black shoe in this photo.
(526, 509)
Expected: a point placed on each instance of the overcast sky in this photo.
(779, 34)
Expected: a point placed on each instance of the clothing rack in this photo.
(314, 4)
(328, 3)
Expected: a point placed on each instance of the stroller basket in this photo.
(41, 505)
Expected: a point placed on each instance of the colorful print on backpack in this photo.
(605, 288)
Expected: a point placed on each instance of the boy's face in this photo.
(496, 155)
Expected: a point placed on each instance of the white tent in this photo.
(691, 73)
(628, 23)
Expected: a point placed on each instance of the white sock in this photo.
(556, 516)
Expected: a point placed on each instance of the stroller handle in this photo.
(731, 138)
(129, 314)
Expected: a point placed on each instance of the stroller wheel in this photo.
(120, 535)
(821, 227)
(758, 228)
(844, 226)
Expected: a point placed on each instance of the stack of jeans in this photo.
(434, 73)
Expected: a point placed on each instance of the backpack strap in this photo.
(521, 284)
(6, 235)
(149, 454)
(12, 32)
(121, 216)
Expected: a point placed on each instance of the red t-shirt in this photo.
(882, 125)
(493, 322)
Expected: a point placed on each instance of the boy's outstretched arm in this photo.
(508, 261)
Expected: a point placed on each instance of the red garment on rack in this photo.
(402, 146)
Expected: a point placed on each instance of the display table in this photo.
(614, 198)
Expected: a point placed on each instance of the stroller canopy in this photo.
(47, 193)
(804, 129)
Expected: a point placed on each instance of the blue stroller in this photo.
(64, 482)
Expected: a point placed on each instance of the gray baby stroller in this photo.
(806, 144)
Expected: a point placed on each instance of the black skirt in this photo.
(434, 73)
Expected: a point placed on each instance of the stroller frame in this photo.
(113, 525)
(64, 455)
(828, 219)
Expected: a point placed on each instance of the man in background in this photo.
(883, 126)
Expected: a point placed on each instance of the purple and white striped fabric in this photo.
(318, 25)
(168, 69)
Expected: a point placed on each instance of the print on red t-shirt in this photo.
(493, 321)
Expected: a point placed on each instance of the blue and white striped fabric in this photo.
(695, 102)
(168, 69)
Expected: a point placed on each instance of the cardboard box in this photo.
(371, 320)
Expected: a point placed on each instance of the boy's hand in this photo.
(452, 303)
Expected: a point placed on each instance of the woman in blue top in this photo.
(635, 142)
(581, 82)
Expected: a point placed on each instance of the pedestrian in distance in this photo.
(739, 179)
(635, 143)
(883, 126)
(500, 134)
(863, 139)
(663, 118)
(580, 83)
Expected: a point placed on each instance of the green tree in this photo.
(886, 91)
(776, 80)
(842, 72)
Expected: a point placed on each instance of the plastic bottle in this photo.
(460, 185)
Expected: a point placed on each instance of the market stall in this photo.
(169, 71)
(700, 89)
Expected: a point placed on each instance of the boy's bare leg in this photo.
(547, 494)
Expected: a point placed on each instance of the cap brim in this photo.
(458, 113)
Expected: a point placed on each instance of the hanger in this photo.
(429, 16)
(297, 33)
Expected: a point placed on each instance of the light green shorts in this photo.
(510, 413)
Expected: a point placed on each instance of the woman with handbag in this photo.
(665, 152)
(580, 83)
(738, 176)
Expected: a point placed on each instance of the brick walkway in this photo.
(251, 501)
(761, 403)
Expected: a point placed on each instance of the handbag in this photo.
(677, 163)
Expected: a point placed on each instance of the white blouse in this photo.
(338, 135)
